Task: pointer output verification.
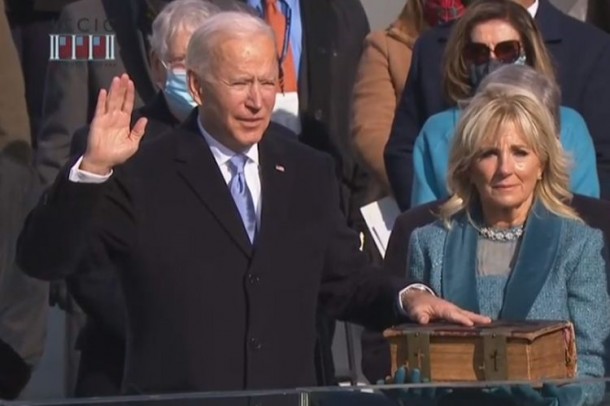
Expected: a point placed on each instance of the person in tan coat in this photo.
(381, 76)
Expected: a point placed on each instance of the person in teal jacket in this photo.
(431, 155)
(507, 244)
(431, 151)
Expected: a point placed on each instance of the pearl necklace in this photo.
(502, 234)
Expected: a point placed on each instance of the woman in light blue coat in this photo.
(476, 48)
(507, 244)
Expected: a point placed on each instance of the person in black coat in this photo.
(96, 286)
(222, 269)
(582, 57)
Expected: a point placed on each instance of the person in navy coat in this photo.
(581, 54)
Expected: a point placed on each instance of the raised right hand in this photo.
(111, 141)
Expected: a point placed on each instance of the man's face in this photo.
(237, 98)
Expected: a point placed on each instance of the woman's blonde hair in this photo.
(491, 109)
(456, 71)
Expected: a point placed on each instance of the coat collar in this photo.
(401, 36)
(198, 168)
(535, 260)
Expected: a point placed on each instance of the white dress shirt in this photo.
(533, 9)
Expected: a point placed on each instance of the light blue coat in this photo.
(433, 144)
(559, 274)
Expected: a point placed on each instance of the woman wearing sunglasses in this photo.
(489, 35)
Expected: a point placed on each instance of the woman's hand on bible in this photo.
(111, 139)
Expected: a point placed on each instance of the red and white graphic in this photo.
(61, 47)
(103, 47)
(81, 47)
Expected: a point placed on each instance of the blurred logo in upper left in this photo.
(82, 47)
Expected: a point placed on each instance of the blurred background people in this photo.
(31, 23)
(381, 75)
(581, 54)
(486, 37)
(23, 300)
(14, 122)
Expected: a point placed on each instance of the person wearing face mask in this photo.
(169, 36)
(580, 53)
(488, 36)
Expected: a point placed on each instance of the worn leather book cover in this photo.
(532, 350)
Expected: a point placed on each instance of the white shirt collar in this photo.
(533, 9)
(221, 153)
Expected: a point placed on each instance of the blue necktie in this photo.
(241, 194)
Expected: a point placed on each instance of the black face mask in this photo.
(479, 72)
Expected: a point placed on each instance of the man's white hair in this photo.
(200, 55)
(178, 16)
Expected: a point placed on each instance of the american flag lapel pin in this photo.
(280, 168)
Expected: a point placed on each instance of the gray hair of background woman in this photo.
(202, 49)
(178, 16)
(520, 104)
(511, 78)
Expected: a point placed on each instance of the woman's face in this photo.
(492, 44)
(505, 174)
(492, 33)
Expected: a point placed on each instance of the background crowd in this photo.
(384, 105)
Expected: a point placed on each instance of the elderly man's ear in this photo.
(195, 87)
(157, 70)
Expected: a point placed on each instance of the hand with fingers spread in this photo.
(111, 139)
(423, 307)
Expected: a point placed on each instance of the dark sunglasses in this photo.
(505, 51)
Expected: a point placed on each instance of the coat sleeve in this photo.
(351, 289)
(374, 104)
(398, 153)
(69, 220)
(589, 306)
